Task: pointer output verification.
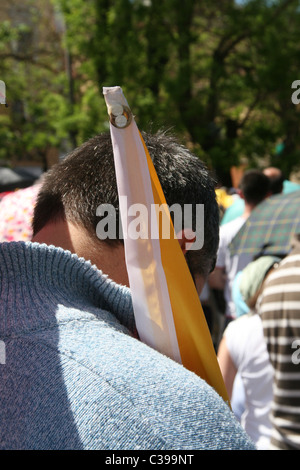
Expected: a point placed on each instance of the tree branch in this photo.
(250, 109)
(27, 58)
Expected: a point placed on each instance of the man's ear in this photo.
(240, 193)
(186, 238)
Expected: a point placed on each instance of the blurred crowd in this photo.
(256, 324)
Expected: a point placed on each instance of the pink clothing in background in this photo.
(16, 211)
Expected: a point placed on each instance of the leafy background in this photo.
(216, 74)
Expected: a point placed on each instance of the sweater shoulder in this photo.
(113, 392)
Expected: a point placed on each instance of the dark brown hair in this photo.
(74, 188)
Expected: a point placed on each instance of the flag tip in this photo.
(117, 107)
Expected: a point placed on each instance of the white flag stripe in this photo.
(161, 285)
(130, 174)
(140, 296)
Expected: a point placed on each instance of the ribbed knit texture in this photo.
(75, 377)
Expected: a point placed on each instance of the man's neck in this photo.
(110, 259)
(248, 209)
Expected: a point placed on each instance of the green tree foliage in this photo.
(218, 74)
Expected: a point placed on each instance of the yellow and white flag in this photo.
(167, 309)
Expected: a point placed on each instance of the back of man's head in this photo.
(74, 188)
(254, 186)
(276, 178)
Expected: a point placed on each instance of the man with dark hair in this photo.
(277, 185)
(253, 188)
(74, 189)
(76, 375)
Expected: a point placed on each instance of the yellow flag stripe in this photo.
(194, 338)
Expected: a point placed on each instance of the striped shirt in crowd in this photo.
(280, 311)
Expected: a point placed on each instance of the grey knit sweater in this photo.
(74, 376)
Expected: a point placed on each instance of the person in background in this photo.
(243, 350)
(16, 213)
(276, 178)
(254, 188)
(280, 313)
(278, 185)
